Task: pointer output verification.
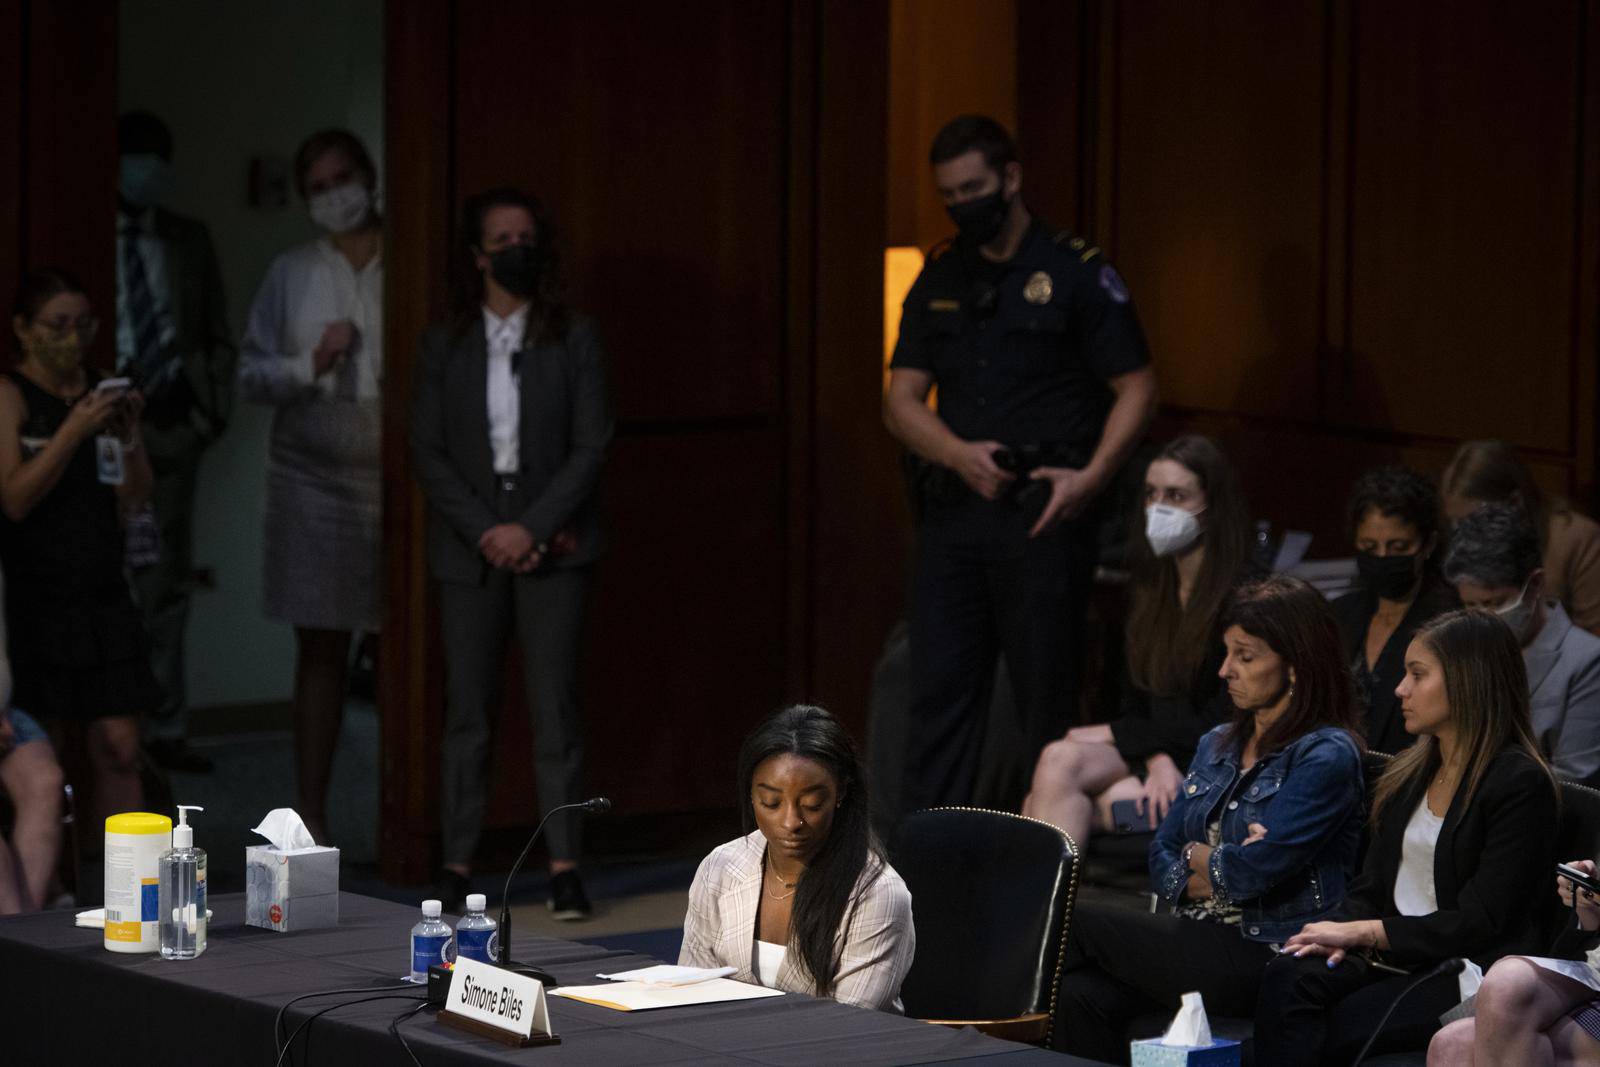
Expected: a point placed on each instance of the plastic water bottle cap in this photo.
(431, 909)
(476, 902)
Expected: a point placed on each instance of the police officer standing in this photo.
(1044, 389)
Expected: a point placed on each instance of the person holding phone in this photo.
(1463, 836)
(1188, 556)
(1261, 839)
(72, 468)
(1530, 1010)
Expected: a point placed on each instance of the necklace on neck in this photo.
(772, 868)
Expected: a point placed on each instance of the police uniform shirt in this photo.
(1021, 351)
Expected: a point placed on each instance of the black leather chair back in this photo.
(992, 893)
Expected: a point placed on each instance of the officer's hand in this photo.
(1070, 492)
(974, 461)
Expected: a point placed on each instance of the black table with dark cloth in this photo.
(67, 1000)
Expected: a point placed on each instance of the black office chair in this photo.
(992, 894)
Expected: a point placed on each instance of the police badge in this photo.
(1038, 289)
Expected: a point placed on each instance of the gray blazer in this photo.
(565, 426)
(200, 322)
(1564, 685)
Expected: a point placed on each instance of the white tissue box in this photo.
(1152, 1053)
(294, 889)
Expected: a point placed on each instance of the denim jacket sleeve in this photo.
(1320, 791)
(1168, 873)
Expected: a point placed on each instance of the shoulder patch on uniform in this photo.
(1112, 283)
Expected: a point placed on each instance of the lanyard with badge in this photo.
(109, 451)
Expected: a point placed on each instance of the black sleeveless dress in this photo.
(76, 640)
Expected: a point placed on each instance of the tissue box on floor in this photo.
(1152, 1053)
(293, 889)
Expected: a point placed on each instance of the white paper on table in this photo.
(95, 918)
(668, 974)
(642, 996)
(1577, 970)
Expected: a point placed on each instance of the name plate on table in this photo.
(493, 1002)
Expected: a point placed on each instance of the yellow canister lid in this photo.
(138, 822)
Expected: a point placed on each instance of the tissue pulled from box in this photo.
(1190, 1028)
(285, 829)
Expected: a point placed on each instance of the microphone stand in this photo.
(1450, 966)
(596, 806)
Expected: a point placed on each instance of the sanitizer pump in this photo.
(182, 906)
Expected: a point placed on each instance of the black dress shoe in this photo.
(174, 754)
(568, 901)
(451, 889)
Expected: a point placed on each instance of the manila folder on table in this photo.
(642, 996)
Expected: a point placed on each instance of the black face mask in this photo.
(980, 220)
(517, 268)
(1390, 577)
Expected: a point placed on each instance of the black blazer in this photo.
(565, 427)
(1492, 869)
(1385, 730)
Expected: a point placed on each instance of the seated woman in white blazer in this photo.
(806, 902)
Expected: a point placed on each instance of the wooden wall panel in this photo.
(651, 131)
(1218, 205)
(1361, 245)
(1463, 220)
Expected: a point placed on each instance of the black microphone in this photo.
(594, 806)
(1450, 966)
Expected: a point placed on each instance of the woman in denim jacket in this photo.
(1261, 840)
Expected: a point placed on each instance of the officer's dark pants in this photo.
(983, 587)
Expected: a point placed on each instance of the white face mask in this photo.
(1517, 613)
(342, 208)
(1169, 530)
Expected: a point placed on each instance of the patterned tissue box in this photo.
(1152, 1053)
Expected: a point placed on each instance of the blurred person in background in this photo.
(313, 349)
(1488, 472)
(172, 339)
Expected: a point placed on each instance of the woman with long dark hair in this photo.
(1464, 830)
(805, 901)
(510, 429)
(1189, 554)
(1261, 838)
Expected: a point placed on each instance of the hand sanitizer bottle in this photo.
(430, 941)
(181, 892)
(475, 933)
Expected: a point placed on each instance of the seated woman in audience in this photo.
(1187, 558)
(32, 780)
(71, 469)
(1488, 472)
(1394, 521)
(1494, 564)
(1261, 839)
(1525, 1013)
(806, 902)
(1464, 825)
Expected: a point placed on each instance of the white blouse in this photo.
(769, 958)
(307, 288)
(504, 338)
(1414, 891)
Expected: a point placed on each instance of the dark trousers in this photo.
(164, 588)
(982, 587)
(1121, 964)
(547, 608)
(1310, 1014)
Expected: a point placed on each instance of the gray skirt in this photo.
(324, 507)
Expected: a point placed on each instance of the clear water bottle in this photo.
(476, 936)
(431, 941)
